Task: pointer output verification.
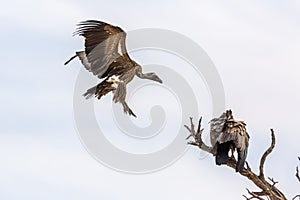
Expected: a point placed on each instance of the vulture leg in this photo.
(232, 149)
(120, 92)
(90, 92)
(120, 95)
(127, 110)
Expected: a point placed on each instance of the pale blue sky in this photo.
(255, 47)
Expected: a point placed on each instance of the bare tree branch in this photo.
(254, 195)
(297, 171)
(197, 136)
(273, 181)
(267, 189)
(263, 158)
(297, 196)
(298, 177)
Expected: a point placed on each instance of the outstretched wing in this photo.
(104, 45)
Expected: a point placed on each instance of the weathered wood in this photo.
(297, 171)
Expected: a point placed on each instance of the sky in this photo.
(254, 46)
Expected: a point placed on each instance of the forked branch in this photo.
(265, 155)
(297, 196)
(197, 136)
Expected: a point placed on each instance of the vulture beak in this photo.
(156, 78)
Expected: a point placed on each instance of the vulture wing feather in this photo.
(102, 43)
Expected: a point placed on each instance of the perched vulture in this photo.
(105, 55)
(229, 134)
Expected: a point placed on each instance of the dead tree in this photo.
(267, 186)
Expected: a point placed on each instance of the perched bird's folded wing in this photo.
(216, 128)
(235, 131)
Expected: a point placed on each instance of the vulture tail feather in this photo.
(242, 154)
(222, 153)
(90, 92)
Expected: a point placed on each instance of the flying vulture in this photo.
(228, 134)
(105, 55)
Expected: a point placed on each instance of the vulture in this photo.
(105, 56)
(228, 134)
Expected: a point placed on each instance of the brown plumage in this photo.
(105, 55)
(228, 134)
